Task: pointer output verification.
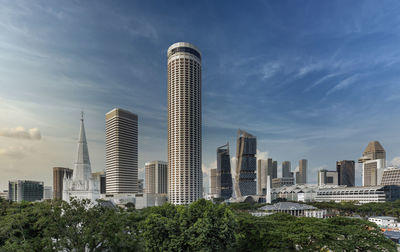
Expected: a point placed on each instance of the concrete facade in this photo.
(184, 124)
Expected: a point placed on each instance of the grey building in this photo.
(121, 152)
(25, 190)
(301, 175)
(224, 175)
(346, 172)
(286, 167)
(326, 177)
(184, 124)
(274, 169)
(156, 177)
(246, 164)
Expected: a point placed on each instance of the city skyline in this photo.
(292, 96)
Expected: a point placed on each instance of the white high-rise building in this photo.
(121, 152)
(184, 124)
(82, 185)
(156, 177)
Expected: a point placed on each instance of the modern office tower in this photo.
(184, 124)
(286, 170)
(391, 176)
(156, 177)
(346, 172)
(301, 176)
(25, 190)
(274, 169)
(213, 181)
(326, 177)
(82, 185)
(246, 164)
(224, 175)
(285, 181)
(121, 152)
(101, 180)
(372, 172)
(59, 173)
(373, 151)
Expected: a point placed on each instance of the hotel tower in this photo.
(121, 152)
(185, 178)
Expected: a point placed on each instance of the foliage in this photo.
(368, 209)
(201, 226)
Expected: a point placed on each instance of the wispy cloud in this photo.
(270, 69)
(345, 83)
(21, 133)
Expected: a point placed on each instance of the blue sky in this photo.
(311, 79)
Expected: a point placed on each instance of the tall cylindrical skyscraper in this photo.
(184, 124)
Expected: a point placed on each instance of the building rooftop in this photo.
(384, 217)
(284, 206)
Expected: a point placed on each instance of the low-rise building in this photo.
(25, 190)
(285, 181)
(4, 194)
(304, 193)
(391, 176)
(384, 221)
(295, 209)
(360, 194)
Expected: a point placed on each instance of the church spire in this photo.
(82, 168)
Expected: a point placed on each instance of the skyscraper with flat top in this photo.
(121, 152)
(184, 124)
(286, 169)
(301, 176)
(246, 164)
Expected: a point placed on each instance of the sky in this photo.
(311, 79)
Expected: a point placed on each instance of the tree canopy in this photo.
(200, 226)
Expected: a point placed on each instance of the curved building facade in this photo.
(185, 178)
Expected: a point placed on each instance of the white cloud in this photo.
(15, 152)
(395, 162)
(21, 133)
(262, 154)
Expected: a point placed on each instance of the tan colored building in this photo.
(156, 177)
(213, 181)
(121, 152)
(301, 175)
(373, 151)
(184, 124)
(59, 173)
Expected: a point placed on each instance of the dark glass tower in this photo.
(246, 148)
(346, 172)
(224, 176)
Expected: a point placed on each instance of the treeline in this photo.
(201, 226)
(368, 209)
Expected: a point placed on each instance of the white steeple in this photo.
(82, 168)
